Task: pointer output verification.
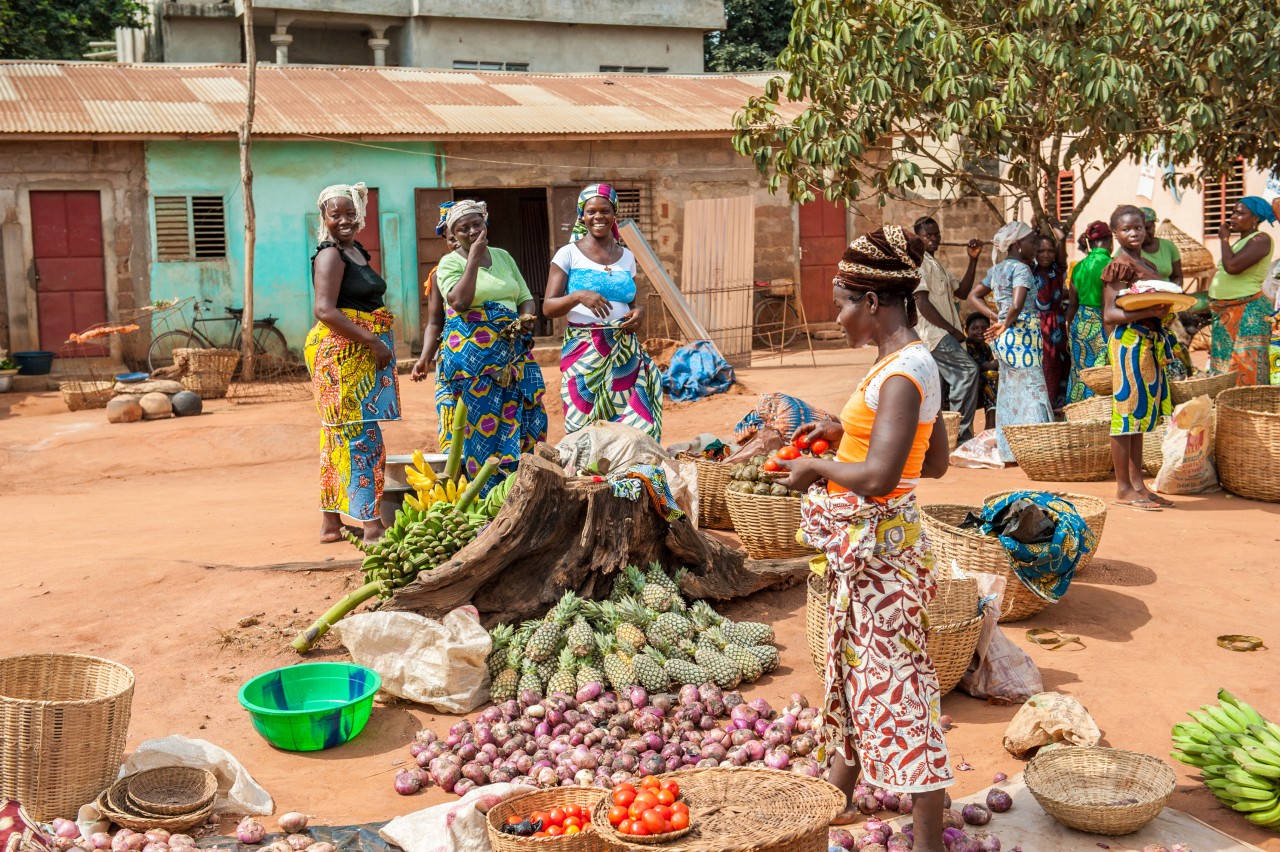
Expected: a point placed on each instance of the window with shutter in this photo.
(1220, 196)
(634, 202)
(190, 227)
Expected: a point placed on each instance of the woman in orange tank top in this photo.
(881, 708)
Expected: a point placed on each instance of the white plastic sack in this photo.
(1187, 450)
(440, 663)
(1047, 718)
(1001, 670)
(452, 827)
(980, 451)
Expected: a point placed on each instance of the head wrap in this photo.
(886, 260)
(358, 193)
(1149, 214)
(465, 208)
(1097, 231)
(1259, 207)
(596, 190)
(1006, 237)
(444, 212)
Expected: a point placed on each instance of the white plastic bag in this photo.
(440, 663)
(1187, 450)
(452, 827)
(1000, 670)
(1046, 718)
(980, 451)
(625, 446)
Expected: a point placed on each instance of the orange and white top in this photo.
(858, 417)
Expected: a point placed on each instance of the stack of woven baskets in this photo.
(713, 506)
(174, 798)
(208, 372)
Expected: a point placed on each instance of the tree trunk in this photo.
(556, 533)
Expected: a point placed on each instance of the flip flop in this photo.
(1140, 505)
(1157, 499)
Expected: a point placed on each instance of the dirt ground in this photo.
(145, 543)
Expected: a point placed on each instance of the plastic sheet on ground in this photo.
(1028, 826)
(697, 370)
(458, 826)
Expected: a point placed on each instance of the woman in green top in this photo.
(1241, 334)
(486, 356)
(1084, 308)
(1165, 257)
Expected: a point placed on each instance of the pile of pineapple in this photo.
(645, 634)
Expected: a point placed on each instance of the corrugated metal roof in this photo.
(92, 98)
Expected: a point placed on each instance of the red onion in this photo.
(898, 842)
(661, 701)
(155, 835)
(868, 804)
(867, 840)
(706, 763)
(998, 800)
(965, 844)
(755, 750)
(588, 692)
(249, 831)
(946, 799)
(714, 751)
(101, 840)
(775, 734)
(500, 776)
(742, 737)
(177, 841)
(743, 715)
(733, 698)
(406, 784)
(638, 697)
(689, 694)
(975, 814)
(529, 696)
(776, 759)
(798, 700)
(760, 726)
(447, 777)
(490, 716)
(156, 847)
(803, 744)
(713, 707)
(807, 766)
(950, 834)
(546, 777)
(905, 802)
(945, 723)
(878, 827)
(65, 844)
(737, 755)
(322, 846)
(652, 765)
(952, 819)
(68, 829)
(762, 707)
(988, 843)
(120, 842)
(463, 787)
(841, 837)
(298, 842)
(467, 752)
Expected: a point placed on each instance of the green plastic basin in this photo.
(311, 706)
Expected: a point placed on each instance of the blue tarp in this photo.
(696, 371)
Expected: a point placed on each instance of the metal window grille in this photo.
(635, 203)
(190, 227)
(633, 69)
(1220, 196)
(476, 65)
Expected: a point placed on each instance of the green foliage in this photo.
(756, 32)
(1038, 86)
(61, 29)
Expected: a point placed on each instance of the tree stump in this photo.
(556, 533)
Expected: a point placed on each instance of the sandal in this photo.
(1140, 503)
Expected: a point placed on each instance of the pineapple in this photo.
(748, 666)
(497, 659)
(766, 654)
(682, 672)
(669, 628)
(580, 638)
(547, 668)
(565, 679)
(627, 620)
(747, 632)
(617, 668)
(703, 616)
(545, 641)
(656, 575)
(721, 669)
(529, 678)
(649, 670)
(589, 667)
(505, 686)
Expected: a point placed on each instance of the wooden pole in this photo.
(246, 183)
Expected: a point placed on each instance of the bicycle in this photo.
(776, 321)
(269, 344)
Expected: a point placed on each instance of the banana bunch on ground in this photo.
(1238, 754)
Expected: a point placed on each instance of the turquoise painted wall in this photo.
(288, 176)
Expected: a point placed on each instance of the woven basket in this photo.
(1082, 788)
(737, 809)
(1097, 379)
(114, 805)
(1092, 510)
(954, 627)
(1153, 449)
(63, 723)
(1187, 389)
(80, 396)
(544, 800)
(171, 791)
(767, 525)
(1247, 447)
(1062, 452)
(951, 419)
(208, 372)
(713, 508)
(1093, 408)
(613, 837)
(973, 551)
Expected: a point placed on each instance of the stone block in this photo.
(163, 386)
(155, 406)
(124, 409)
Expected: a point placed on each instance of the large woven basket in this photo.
(1093, 408)
(737, 809)
(1247, 441)
(766, 525)
(951, 419)
(1100, 790)
(171, 790)
(1092, 510)
(544, 800)
(208, 372)
(973, 551)
(1062, 452)
(954, 627)
(80, 396)
(1153, 448)
(713, 508)
(63, 723)
(1210, 386)
(1097, 379)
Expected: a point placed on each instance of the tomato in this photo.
(626, 785)
(650, 782)
(801, 442)
(638, 830)
(680, 808)
(624, 827)
(514, 820)
(653, 821)
(556, 816)
(573, 829)
(539, 834)
(679, 820)
(771, 466)
(617, 814)
(624, 797)
(572, 822)
(555, 831)
(819, 447)
(672, 786)
(665, 810)
(788, 453)
(666, 797)
(586, 817)
(572, 811)
(643, 802)
(539, 816)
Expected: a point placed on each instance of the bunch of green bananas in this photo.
(1238, 754)
(418, 540)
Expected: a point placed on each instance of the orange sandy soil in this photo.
(146, 543)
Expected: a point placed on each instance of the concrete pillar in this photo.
(379, 46)
(281, 40)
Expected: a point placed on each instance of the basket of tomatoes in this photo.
(765, 513)
(560, 818)
(648, 813)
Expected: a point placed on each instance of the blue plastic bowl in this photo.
(131, 378)
(36, 363)
(311, 706)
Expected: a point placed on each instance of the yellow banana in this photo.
(451, 491)
(419, 460)
(438, 494)
(412, 501)
(462, 483)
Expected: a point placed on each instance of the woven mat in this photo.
(1029, 826)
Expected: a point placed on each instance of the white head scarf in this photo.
(357, 192)
(465, 208)
(1007, 236)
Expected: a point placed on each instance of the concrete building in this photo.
(547, 36)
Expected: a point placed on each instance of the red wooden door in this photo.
(823, 237)
(370, 237)
(71, 275)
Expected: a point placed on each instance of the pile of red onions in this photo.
(878, 836)
(67, 837)
(598, 738)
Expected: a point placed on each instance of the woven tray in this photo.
(951, 419)
(208, 372)
(545, 800)
(612, 836)
(736, 809)
(973, 551)
(1093, 408)
(171, 790)
(1187, 389)
(1247, 441)
(713, 508)
(1080, 786)
(1097, 379)
(766, 525)
(114, 805)
(47, 701)
(1062, 452)
(1093, 510)
(81, 396)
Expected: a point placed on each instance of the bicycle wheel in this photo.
(270, 349)
(160, 352)
(776, 323)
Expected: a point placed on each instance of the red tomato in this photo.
(638, 829)
(514, 820)
(788, 453)
(672, 786)
(649, 782)
(819, 447)
(624, 797)
(572, 810)
(539, 834)
(665, 797)
(771, 465)
(586, 817)
(653, 821)
(679, 820)
(680, 808)
(617, 815)
(555, 831)
(572, 822)
(801, 442)
(624, 827)
(556, 816)
(538, 816)
(665, 810)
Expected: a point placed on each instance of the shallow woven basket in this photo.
(951, 419)
(1188, 389)
(208, 372)
(973, 551)
(766, 525)
(1092, 510)
(954, 627)
(114, 805)
(63, 723)
(1062, 452)
(171, 790)
(1093, 408)
(1097, 379)
(612, 836)
(80, 396)
(737, 809)
(713, 508)
(544, 800)
(1247, 441)
(1082, 788)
